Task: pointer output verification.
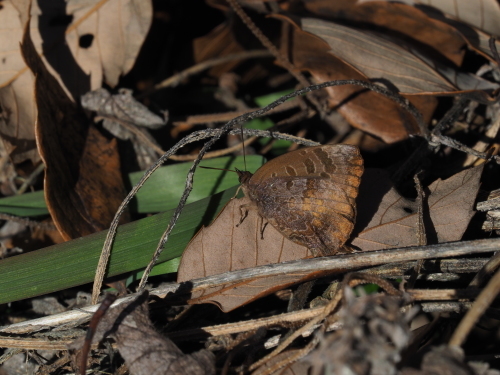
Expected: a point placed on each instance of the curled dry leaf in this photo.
(144, 350)
(83, 183)
(101, 42)
(121, 106)
(386, 219)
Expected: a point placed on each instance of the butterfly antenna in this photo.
(243, 143)
(218, 169)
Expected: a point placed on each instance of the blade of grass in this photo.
(73, 263)
(160, 193)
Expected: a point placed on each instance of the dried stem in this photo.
(486, 297)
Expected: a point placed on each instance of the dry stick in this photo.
(244, 118)
(30, 179)
(450, 142)
(432, 141)
(422, 238)
(482, 146)
(294, 356)
(195, 69)
(436, 138)
(96, 318)
(296, 317)
(9, 354)
(275, 52)
(483, 301)
(341, 263)
(141, 137)
(352, 280)
(490, 267)
(226, 116)
(325, 311)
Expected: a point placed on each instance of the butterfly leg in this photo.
(237, 191)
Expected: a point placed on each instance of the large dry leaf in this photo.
(16, 87)
(400, 18)
(394, 224)
(483, 14)
(476, 20)
(218, 42)
(364, 109)
(100, 41)
(384, 60)
(144, 350)
(83, 184)
(224, 246)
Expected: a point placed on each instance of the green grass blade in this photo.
(160, 193)
(74, 262)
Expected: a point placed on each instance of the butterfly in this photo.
(309, 195)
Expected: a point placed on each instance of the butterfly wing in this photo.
(326, 161)
(311, 205)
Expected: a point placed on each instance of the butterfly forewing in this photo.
(325, 161)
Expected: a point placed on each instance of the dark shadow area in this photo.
(53, 23)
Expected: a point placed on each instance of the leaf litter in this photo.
(372, 333)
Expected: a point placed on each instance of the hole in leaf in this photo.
(408, 210)
(86, 40)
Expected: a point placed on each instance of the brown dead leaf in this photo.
(224, 247)
(399, 65)
(102, 40)
(401, 18)
(476, 21)
(17, 107)
(144, 350)
(483, 14)
(219, 42)
(364, 109)
(386, 219)
(83, 184)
